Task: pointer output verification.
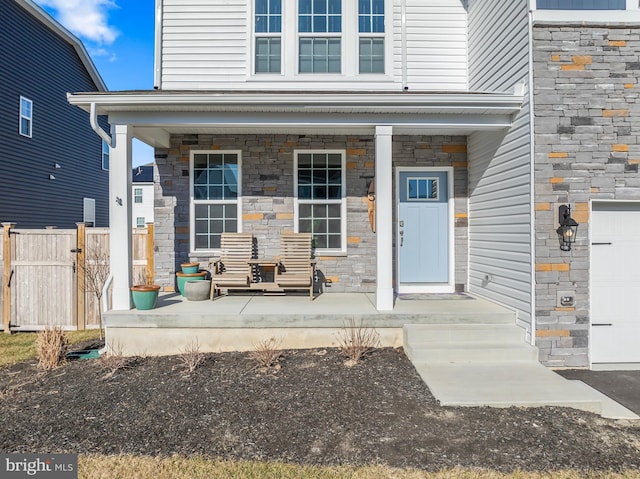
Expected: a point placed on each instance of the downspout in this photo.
(532, 176)
(157, 58)
(93, 118)
(403, 36)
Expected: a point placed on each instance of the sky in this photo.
(119, 36)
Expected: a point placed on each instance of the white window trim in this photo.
(136, 195)
(138, 223)
(29, 118)
(343, 200)
(255, 35)
(192, 201)
(89, 211)
(350, 46)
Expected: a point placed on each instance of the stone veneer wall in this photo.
(267, 203)
(587, 122)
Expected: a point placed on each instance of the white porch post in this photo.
(120, 216)
(384, 218)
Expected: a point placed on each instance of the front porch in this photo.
(239, 321)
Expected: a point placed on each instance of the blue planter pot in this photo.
(190, 268)
(145, 296)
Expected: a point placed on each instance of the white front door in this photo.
(423, 236)
(615, 282)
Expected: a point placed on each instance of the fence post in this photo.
(81, 307)
(6, 291)
(151, 269)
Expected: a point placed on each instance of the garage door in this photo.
(615, 283)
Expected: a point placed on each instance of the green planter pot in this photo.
(184, 277)
(145, 296)
(190, 268)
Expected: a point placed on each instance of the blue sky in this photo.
(118, 34)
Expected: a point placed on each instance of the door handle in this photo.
(401, 237)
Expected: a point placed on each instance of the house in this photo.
(53, 167)
(472, 135)
(142, 199)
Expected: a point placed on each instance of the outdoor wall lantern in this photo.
(568, 229)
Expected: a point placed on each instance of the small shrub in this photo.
(191, 356)
(113, 360)
(52, 346)
(356, 341)
(266, 354)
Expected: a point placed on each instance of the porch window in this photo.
(371, 31)
(320, 198)
(320, 31)
(26, 116)
(215, 195)
(268, 29)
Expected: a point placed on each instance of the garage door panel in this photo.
(615, 283)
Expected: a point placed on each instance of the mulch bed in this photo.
(312, 410)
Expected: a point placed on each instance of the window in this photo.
(582, 4)
(320, 198)
(26, 116)
(105, 155)
(420, 189)
(137, 195)
(320, 43)
(215, 197)
(371, 41)
(89, 211)
(140, 222)
(268, 28)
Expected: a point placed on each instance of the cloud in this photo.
(87, 19)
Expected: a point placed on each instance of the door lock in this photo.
(401, 223)
(401, 237)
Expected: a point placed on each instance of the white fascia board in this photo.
(586, 17)
(308, 102)
(40, 14)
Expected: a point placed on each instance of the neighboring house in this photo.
(142, 195)
(272, 115)
(51, 164)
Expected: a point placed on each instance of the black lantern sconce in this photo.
(568, 229)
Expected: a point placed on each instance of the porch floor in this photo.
(328, 310)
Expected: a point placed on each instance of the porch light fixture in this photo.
(568, 229)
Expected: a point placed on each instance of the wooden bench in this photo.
(232, 270)
(296, 269)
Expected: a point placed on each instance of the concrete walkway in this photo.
(490, 365)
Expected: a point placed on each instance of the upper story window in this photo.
(268, 28)
(320, 39)
(105, 155)
(371, 41)
(582, 4)
(26, 116)
(137, 195)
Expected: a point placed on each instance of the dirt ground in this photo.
(312, 410)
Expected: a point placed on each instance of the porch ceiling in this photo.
(155, 115)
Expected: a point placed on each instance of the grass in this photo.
(22, 346)
(137, 467)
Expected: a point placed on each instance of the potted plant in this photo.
(145, 295)
(190, 268)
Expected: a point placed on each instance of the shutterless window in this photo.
(140, 223)
(105, 155)
(268, 28)
(371, 39)
(26, 116)
(320, 198)
(319, 29)
(137, 195)
(215, 195)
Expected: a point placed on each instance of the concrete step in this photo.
(464, 353)
(428, 334)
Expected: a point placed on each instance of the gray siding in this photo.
(500, 239)
(38, 64)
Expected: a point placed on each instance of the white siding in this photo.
(436, 44)
(206, 45)
(500, 237)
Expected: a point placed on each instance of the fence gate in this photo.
(43, 283)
